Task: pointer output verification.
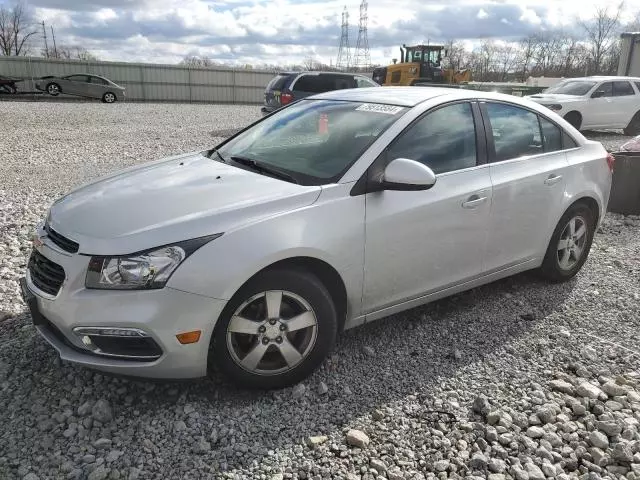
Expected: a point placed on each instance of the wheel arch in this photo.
(575, 112)
(326, 273)
(591, 202)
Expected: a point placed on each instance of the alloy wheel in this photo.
(272, 332)
(109, 97)
(571, 245)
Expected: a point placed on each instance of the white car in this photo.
(596, 102)
(336, 210)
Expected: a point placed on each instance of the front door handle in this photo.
(552, 180)
(473, 201)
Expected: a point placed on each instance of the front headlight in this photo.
(146, 270)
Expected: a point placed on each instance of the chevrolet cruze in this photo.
(334, 211)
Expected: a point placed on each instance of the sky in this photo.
(281, 32)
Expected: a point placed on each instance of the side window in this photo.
(516, 131)
(341, 82)
(310, 84)
(77, 78)
(444, 140)
(637, 84)
(604, 90)
(364, 82)
(551, 136)
(98, 81)
(622, 89)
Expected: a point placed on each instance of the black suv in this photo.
(284, 88)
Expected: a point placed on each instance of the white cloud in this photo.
(482, 14)
(530, 16)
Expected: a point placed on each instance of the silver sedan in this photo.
(83, 85)
(334, 211)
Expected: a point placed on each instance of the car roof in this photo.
(600, 78)
(409, 96)
(320, 72)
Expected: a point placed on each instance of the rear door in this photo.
(626, 102)
(528, 172)
(274, 89)
(96, 87)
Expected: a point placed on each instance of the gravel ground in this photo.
(518, 379)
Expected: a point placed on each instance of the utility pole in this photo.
(363, 54)
(44, 33)
(342, 63)
(55, 49)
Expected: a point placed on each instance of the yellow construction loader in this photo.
(420, 65)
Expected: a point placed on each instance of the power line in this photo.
(363, 54)
(343, 52)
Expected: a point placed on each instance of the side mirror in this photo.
(406, 174)
(598, 94)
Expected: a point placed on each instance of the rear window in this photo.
(279, 82)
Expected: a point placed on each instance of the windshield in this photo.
(313, 141)
(576, 87)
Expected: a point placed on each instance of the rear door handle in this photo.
(473, 201)
(553, 179)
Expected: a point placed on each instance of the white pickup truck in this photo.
(596, 102)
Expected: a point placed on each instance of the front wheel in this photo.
(276, 330)
(570, 244)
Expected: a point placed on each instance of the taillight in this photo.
(611, 160)
(286, 98)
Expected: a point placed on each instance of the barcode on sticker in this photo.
(374, 107)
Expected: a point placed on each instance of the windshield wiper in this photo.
(264, 168)
(215, 150)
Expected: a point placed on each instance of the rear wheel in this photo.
(109, 97)
(276, 330)
(53, 89)
(570, 244)
(575, 119)
(633, 128)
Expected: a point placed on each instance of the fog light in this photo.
(86, 340)
(188, 337)
(109, 332)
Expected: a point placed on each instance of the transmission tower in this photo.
(343, 52)
(363, 54)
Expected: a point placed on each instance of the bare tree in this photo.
(15, 30)
(601, 33)
(197, 62)
(506, 60)
(70, 53)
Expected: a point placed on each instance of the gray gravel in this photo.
(518, 379)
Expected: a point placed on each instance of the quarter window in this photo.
(622, 89)
(444, 140)
(364, 82)
(551, 136)
(516, 131)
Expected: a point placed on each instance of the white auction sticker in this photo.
(375, 107)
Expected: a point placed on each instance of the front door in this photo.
(418, 242)
(528, 173)
(602, 108)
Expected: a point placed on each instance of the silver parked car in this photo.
(83, 85)
(337, 210)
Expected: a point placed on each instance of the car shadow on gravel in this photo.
(411, 353)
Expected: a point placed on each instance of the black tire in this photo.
(300, 283)
(109, 97)
(53, 89)
(551, 268)
(575, 119)
(633, 128)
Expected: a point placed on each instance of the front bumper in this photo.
(162, 314)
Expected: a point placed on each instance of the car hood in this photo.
(179, 198)
(554, 97)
